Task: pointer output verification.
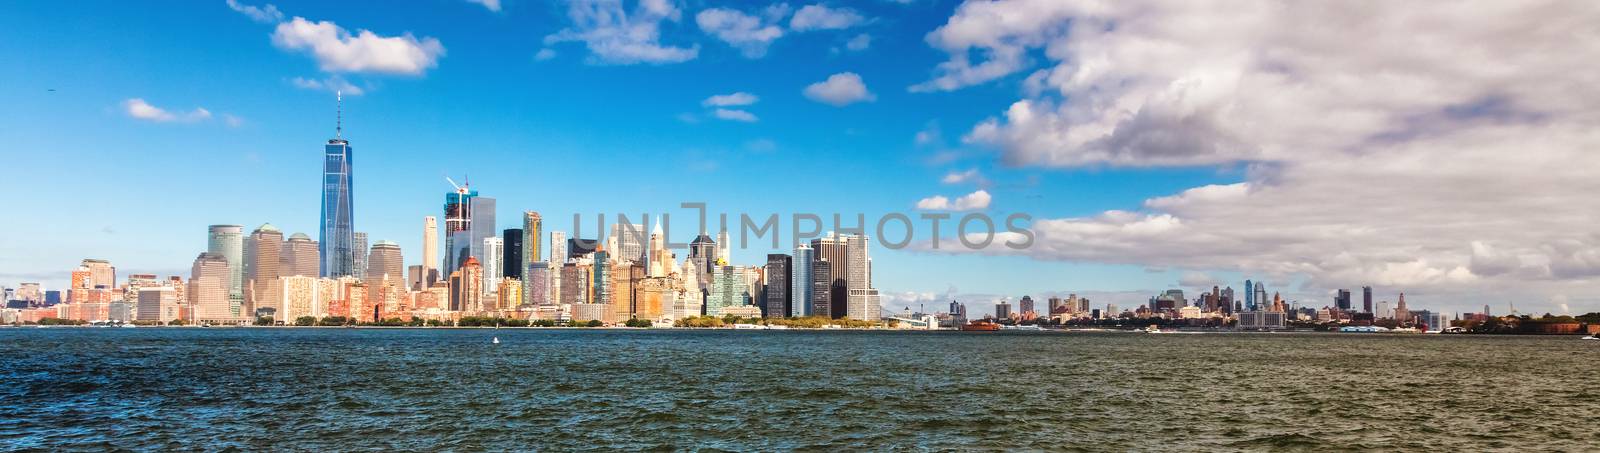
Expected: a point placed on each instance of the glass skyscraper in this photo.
(337, 239)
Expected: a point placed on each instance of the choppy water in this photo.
(342, 389)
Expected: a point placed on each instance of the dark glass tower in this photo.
(336, 242)
(511, 254)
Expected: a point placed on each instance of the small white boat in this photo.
(495, 341)
(1591, 337)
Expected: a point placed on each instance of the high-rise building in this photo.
(227, 241)
(1249, 295)
(337, 233)
(1341, 300)
(532, 233)
(538, 284)
(263, 253)
(800, 285)
(1366, 299)
(300, 257)
(822, 285)
(1401, 312)
(630, 242)
(102, 275)
(430, 251)
(359, 250)
(1025, 305)
(511, 253)
(780, 277)
(600, 277)
(729, 288)
(158, 303)
(385, 264)
(493, 265)
(660, 259)
(1002, 310)
(574, 284)
(457, 227)
(862, 301)
(466, 286)
(557, 264)
(834, 250)
(209, 289)
(703, 251)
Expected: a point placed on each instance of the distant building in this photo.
(300, 257)
(511, 248)
(263, 255)
(1366, 299)
(1002, 310)
(493, 260)
(801, 290)
(158, 303)
(1260, 320)
(359, 251)
(430, 253)
(337, 233)
(227, 242)
(385, 264)
(208, 289)
(1025, 305)
(780, 276)
(1342, 300)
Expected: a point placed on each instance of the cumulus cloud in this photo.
(337, 50)
(820, 17)
(734, 115)
(839, 90)
(749, 33)
(544, 54)
(137, 108)
(955, 177)
(264, 14)
(330, 84)
(730, 100)
(859, 43)
(614, 35)
(492, 5)
(975, 201)
(1403, 145)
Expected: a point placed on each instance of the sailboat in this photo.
(496, 340)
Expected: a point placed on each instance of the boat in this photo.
(1021, 328)
(495, 341)
(980, 326)
(1591, 337)
(1153, 329)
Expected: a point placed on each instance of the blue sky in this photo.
(550, 124)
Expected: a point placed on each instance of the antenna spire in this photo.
(338, 124)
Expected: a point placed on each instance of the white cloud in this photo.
(330, 84)
(978, 200)
(839, 90)
(734, 115)
(962, 177)
(1411, 146)
(232, 120)
(492, 5)
(730, 100)
(264, 14)
(859, 43)
(613, 35)
(544, 54)
(820, 17)
(336, 50)
(137, 108)
(749, 33)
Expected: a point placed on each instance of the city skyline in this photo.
(717, 124)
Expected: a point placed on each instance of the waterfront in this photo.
(340, 389)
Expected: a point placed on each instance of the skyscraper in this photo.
(262, 258)
(493, 264)
(1341, 300)
(430, 251)
(457, 227)
(299, 257)
(532, 226)
(833, 249)
(1249, 295)
(337, 238)
(1366, 299)
(511, 254)
(557, 263)
(359, 269)
(800, 287)
(703, 251)
(385, 262)
(209, 288)
(483, 225)
(227, 242)
(102, 275)
(780, 268)
(630, 242)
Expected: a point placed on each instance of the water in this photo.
(343, 389)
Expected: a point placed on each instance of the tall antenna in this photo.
(338, 124)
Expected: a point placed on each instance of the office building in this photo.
(227, 242)
(493, 265)
(359, 251)
(299, 257)
(385, 264)
(1366, 299)
(801, 291)
(263, 252)
(532, 234)
(337, 233)
(158, 303)
(430, 252)
(209, 287)
(511, 248)
(630, 240)
(779, 276)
